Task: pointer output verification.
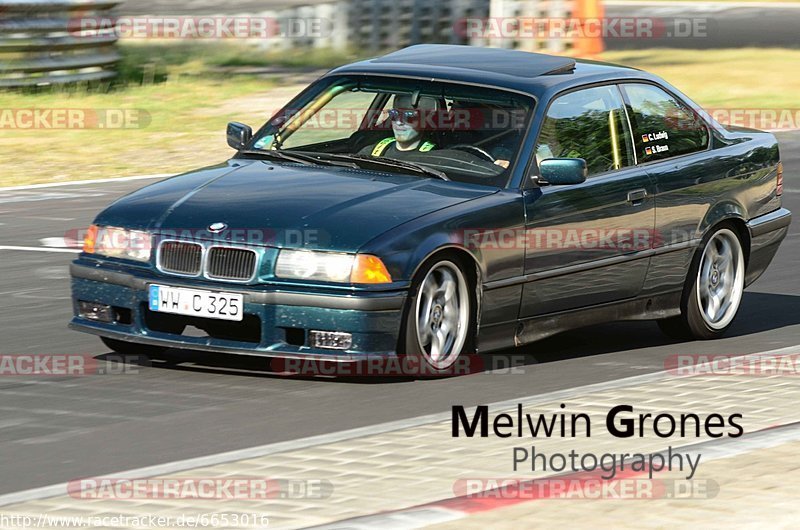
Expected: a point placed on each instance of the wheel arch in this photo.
(464, 256)
(732, 214)
(474, 273)
(681, 326)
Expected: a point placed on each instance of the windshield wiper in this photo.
(388, 162)
(346, 160)
(300, 158)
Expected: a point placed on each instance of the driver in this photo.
(407, 123)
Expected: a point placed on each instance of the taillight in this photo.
(779, 187)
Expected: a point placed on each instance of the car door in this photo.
(587, 243)
(671, 144)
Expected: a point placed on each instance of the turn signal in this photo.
(90, 240)
(369, 269)
(779, 189)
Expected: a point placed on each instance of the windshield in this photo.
(462, 133)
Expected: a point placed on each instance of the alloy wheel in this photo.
(720, 279)
(442, 314)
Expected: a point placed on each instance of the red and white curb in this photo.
(456, 508)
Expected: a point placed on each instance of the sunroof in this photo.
(495, 60)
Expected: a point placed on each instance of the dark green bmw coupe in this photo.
(438, 201)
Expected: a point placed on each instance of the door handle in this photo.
(637, 196)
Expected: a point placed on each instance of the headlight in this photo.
(331, 267)
(118, 243)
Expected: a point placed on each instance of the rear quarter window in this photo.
(663, 126)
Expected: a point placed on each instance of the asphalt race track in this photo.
(55, 429)
(719, 25)
(724, 24)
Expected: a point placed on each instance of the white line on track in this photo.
(40, 249)
(60, 242)
(83, 182)
(56, 490)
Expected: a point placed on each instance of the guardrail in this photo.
(379, 25)
(41, 42)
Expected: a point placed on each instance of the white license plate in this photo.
(193, 302)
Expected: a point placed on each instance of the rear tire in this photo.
(713, 291)
(438, 326)
(132, 348)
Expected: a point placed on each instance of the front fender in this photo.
(405, 248)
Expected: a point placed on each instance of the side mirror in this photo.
(562, 171)
(239, 135)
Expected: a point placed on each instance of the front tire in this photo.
(713, 291)
(439, 316)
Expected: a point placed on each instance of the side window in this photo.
(663, 126)
(588, 124)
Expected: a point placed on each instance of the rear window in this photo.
(663, 126)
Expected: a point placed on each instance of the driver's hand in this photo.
(502, 163)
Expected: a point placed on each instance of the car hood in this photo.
(285, 205)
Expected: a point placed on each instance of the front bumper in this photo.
(373, 318)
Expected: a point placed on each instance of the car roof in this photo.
(487, 60)
(532, 73)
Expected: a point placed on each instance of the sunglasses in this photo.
(403, 115)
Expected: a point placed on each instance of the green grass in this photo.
(733, 78)
(189, 97)
(187, 129)
(153, 61)
(187, 91)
